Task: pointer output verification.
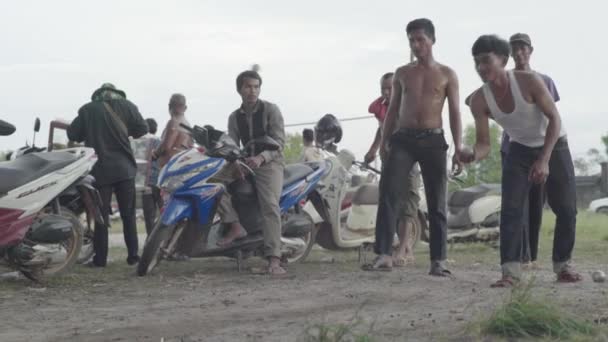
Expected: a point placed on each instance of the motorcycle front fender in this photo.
(176, 210)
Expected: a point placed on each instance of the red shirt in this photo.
(379, 108)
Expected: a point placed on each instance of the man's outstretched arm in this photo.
(482, 129)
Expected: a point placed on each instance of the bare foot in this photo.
(403, 259)
(236, 232)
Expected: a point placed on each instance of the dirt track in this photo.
(209, 301)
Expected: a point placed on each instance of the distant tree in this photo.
(590, 163)
(605, 141)
(293, 147)
(488, 170)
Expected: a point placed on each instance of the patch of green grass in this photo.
(591, 238)
(522, 316)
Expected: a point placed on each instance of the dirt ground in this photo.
(208, 300)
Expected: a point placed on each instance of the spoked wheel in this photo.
(160, 244)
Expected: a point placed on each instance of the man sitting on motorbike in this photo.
(257, 118)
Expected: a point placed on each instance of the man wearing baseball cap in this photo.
(521, 48)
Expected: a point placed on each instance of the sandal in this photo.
(438, 271)
(568, 276)
(379, 265)
(504, 282)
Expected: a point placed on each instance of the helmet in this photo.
(328, 130)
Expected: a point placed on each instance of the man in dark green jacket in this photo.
(105, 124)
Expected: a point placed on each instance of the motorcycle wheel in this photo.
(152, 253)
(72, 247)
(161, 242)
(309, 240)
(417, 230)
(87, 251)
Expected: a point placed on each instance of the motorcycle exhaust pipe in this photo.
(51, 229)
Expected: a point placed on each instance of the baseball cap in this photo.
(520, 38)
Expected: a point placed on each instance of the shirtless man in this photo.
(419, 93)
(520, 102)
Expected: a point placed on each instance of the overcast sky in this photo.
(316, 56)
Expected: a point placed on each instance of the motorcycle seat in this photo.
(464, 197)
(29, 167)
(294, 172)
(367, 194)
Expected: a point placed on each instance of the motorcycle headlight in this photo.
(170, 184)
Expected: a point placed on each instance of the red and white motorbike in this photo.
(38, 235)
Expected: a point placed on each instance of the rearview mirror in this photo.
(37, 125)
(6, 128)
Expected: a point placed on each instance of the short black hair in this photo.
(491, 43)
(240, 79)
(308, 135)
(422, 24)
(152, 126)
(387, 76)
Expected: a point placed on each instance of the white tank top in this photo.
(527, 124)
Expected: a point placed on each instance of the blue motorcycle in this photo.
(192, 184)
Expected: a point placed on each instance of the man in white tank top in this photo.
(538, 153)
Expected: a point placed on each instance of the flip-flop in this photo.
(504, 282)
(569, 276)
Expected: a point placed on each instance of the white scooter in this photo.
(38, 236)
(346, 209)
(473, 213)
